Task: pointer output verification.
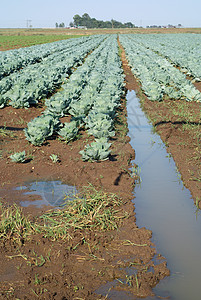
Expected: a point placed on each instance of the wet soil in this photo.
(179, 126)
(182, 139)
(73, 269)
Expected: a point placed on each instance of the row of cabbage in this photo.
(91, 96)
(184, 50)
(27, 86)
(13, 60)
(156, 74)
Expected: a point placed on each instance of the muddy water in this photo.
(165, 206)
(51, 193)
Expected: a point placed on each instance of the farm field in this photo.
(164, 78)
(71, 122)
(19, 41)
(65, 31)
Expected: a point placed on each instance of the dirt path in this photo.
(73, 268)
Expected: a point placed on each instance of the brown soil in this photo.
(178, 124)
(72, 269)
(62, 31)
(182, 141)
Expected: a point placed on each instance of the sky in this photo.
(45, 13)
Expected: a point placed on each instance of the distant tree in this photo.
(56, 25)
(108, 24)
(62, 25)
(100, 24)
(77, 20)
(179, 25)
(86, 17)
(129, 25)
(86, 21)
(71, 24)
(93, 23)
(117, 24)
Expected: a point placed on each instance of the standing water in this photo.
(51, 193)
(164, 205)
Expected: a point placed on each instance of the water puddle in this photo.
(108, 291)
(165, 206)
(52, 193)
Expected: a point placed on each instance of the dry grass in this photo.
(64, 31)
(90, 210)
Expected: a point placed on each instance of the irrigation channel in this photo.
(164, 205)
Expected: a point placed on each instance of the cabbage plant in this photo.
(18, 157)
(40, 128)
(69, 131)
(98, 150)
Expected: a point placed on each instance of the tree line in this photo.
(61, 25)
(86, 21)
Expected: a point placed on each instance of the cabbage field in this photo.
(154, 60)
(74, 115)
(83, 78)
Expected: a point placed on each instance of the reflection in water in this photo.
(52, 193)
(164, 205)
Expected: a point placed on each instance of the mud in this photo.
(76, 267)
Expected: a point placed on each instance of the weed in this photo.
(20, 121)
(120, 51)
(6, 133)
(135, 173)
(129, 280)
(91, 210)
(38, 292)
(197, 201)
(54, 158)
(9, 293)
(137, 283)
(75, 288)
(19, 267)
(37, 281)
(119, 281)
(48, 254)
(129, 243)
(36, 260)
(195, 177)
(13, 224)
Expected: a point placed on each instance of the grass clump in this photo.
(93, 210)
(13, 224)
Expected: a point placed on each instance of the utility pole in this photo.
(28, 23)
